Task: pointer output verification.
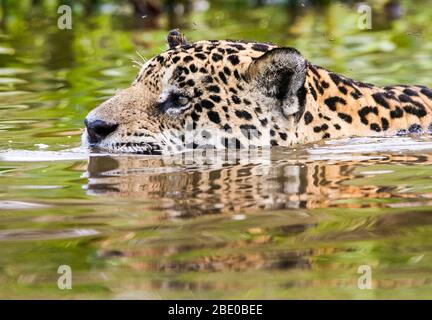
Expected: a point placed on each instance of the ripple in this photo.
(13, 93)
(370, 145)
(376, 172)
(42, 156)
(9, 81)
(5, 50)
(13, 71)
(19, 235)
(114, 72)
(14, 107)
(18, 205)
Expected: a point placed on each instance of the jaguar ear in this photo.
(175, 38)
(281, 73)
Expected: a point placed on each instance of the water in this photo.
(296, 223)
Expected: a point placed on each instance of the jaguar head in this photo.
(218, 94)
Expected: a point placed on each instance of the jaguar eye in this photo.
(182, 100)
(174, 103)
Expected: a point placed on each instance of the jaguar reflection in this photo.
(186, 190)
(282, 214)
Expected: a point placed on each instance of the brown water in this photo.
(295, 223)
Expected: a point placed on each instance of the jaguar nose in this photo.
(98, 130)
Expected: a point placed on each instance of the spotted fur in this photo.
(240, 94)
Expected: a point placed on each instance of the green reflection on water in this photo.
(143, 228)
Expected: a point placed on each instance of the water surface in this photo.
(295, 223)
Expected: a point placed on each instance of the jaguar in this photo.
(238, 94)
